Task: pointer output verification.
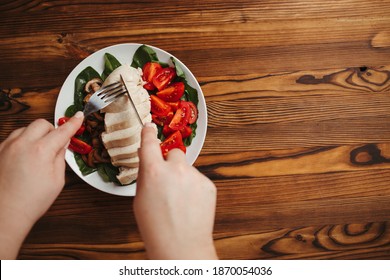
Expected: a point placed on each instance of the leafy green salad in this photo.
(173, 109)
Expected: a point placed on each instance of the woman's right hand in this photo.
(174, 205)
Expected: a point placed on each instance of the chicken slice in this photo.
(128, 162)
(125, 119)
(127, 175)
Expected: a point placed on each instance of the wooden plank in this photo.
(346, 241)
(344, 41)
(349, 241)
(252, 205)
(270, 9)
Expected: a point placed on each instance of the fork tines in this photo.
(110, 92)
(103, 97)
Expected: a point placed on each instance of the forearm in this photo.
(184, 253)
(179, 248)
(14, 227)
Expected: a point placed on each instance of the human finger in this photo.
(58, 138)
(150, 150)
(177, 156)
(37, 129)
(59, 161)
(14, 134)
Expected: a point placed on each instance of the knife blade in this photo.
(131, 100)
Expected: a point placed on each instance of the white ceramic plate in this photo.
(124, 53)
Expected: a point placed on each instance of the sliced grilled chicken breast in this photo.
(122, 136)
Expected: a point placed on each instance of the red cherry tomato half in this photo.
(79, 146)
(186, 131)
(194, 112)
(164, 77)
(162, 120)
(159, 107)
(172, 93)
(174, 105)
(63, 120)
(149, 86)
(150, 70)
(172, 142)
(166, 131)
(181, 117)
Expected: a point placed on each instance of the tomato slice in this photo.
(194, 112)
(164, 77)
(159, 107)
(63, 120)
(150, 70)
(181, 117)
(172, 142)
(149, 86)
(79, 146)
(162, 120)
(174, 105)
(186, 131)
(172, 93)
(166, 131)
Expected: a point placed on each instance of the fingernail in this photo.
(79, 115)
(149, 125)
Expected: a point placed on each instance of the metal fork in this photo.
(103, 97)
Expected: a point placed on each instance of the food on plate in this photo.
(122, 135)
(108, 141)
(173, 101)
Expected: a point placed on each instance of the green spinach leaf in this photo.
(187, 141)
(70, 111)
(110, 64)
(85, 169)
(108, 172)
(143, 55)
(102, 173)
(111, 172)
(179, 71)
(191, 94)
(86, 75)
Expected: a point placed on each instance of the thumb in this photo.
(58, 138)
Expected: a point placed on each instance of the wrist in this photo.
(186, 251)
(14, 227)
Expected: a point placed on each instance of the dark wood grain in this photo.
(349, 241)
(298, 99)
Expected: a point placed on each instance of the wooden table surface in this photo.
(298, 140)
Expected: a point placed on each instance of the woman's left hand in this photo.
(32, 174)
